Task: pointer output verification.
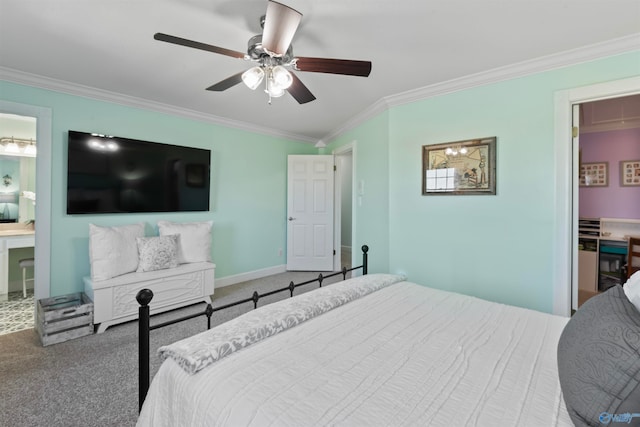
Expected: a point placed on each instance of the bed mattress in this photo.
(404, 355)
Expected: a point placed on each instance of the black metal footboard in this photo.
(145, 296)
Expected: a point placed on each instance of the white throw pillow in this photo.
(194, 244)
(113, 251)
(632, 289)
(157, 253)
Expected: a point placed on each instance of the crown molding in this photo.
(533, 66)
(35, 80)
(377, 108)
(546, 63)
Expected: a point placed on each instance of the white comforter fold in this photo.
(199, 351)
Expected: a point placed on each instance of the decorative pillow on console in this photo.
(194, 244)
(113, 251)
(598, 361)
(157, 253)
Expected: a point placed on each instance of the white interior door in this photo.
(310, 212)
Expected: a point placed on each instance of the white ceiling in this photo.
(107, 47)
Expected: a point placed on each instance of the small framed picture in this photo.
(594, 174)
(630, 173)
(459, 167)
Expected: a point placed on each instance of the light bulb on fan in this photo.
(281, 78)
(253, 77)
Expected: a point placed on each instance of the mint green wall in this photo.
(248, 193)
(371, 165)
(495, 247)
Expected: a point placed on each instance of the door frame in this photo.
(337, 205)
(42, 269)
(565, 254)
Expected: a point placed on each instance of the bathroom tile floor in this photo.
(17, 313)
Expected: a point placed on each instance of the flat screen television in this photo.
(108, 174)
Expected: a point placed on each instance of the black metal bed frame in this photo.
(144, 297)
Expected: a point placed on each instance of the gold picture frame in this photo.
(460, 168)
(630, 173)
(595, 174)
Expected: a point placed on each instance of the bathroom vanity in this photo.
(12, 236)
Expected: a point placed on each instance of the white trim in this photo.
(565, 226)
(35, 80)
(42, 249)
(337, 204)
(574, 161)
(251, 275)
(532, 66)
(337, 214)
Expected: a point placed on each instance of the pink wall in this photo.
(613, 201)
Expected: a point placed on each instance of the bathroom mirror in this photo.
(17, 193)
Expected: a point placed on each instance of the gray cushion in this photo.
(599, 360)
(157, 253)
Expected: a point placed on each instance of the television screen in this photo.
(108, 174)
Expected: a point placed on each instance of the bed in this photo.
(380, 350)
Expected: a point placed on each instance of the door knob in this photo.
(291, 218)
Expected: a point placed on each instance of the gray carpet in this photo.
(92, 381)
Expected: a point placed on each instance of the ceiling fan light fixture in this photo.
(281, 78)
(273, 54)
(274, 91)
(253, 77)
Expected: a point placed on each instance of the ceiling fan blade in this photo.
(333, 66)
(227, 83)
(197, 45)
(280, 24)
(299, 91)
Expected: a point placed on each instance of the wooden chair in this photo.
(633, 256)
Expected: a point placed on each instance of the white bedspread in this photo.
(403, 355)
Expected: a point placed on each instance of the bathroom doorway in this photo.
(18, 152)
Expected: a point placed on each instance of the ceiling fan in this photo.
(273, 54)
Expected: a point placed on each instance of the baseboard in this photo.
(251, 275)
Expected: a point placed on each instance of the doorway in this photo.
(608, 190)
(42, 250)
(565, 273)
(321, 187)
(310, 213)
(18, 153)
(344, 234)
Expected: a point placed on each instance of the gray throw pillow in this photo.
(157, 253)
(599, 361)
